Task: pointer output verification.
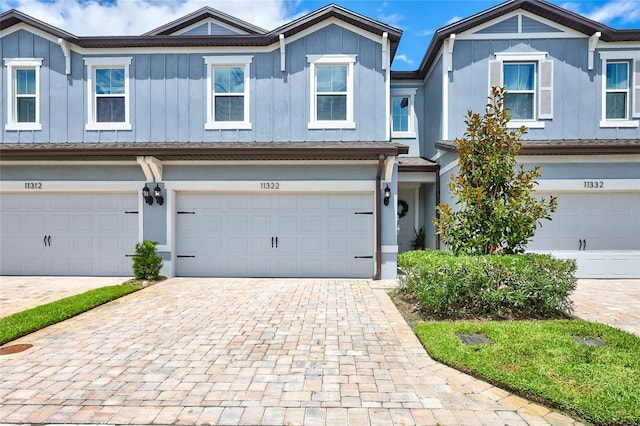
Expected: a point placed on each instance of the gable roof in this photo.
(537, 7)
(161, 36)
(202, 15)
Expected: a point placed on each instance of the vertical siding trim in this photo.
(636, 88)
(546, 90)
(495, 74)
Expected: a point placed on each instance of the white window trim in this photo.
(314, 60)
(406, 93)
(106, 62)
(12, 115)
(613, 56)
(537, 58)
(213, 61)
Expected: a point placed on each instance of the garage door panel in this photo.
(303, 224)
(84, 238)
(609, 224)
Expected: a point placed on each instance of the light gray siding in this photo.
(577, 92)
(168, 99)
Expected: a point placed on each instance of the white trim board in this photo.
(71, 186)
(284, 186)
(587, 185)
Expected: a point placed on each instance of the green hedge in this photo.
(498, 286)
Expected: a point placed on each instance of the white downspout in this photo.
(282, 53)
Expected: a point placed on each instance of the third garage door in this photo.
(275, 235)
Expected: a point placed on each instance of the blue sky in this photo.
(417, 18)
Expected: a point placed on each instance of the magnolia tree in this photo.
(497, 212)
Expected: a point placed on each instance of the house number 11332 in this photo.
(594, 184)
(269, 185)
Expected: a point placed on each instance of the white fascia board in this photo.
(71, 186)
(416, 177)
(283, 186)
(583, 185)
(266, 162)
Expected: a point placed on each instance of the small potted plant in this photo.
(418, 242)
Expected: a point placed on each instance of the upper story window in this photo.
(23, 94)
(331, 91)
(520, 84)
(402, 113)
(620, 88)
(528, 81)
(108, 93)
(228, 83)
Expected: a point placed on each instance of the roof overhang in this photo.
(568, 146)
(200, 151)
(416, 165)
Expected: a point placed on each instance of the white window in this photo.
(228, 83)
(23, 94)
(331, 95)
(108, 93)
(620, 88)
(528, 81)
(403, 113)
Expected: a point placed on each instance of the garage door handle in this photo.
(364, 257)
(276, 242)
(580, 244)
(584, 245)
(49, 240)
(271, 242)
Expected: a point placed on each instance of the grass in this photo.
(25, 322)
(540, 360)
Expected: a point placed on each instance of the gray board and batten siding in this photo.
(168, 93)
(572, 83)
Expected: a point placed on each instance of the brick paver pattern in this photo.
(224, 351)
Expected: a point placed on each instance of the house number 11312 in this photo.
(33, 185)
(269, 185)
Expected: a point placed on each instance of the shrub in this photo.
(146, 262)
(513, 286)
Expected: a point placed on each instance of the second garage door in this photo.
(601, 231)
(275, 235)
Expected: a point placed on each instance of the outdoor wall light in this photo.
(157, 192)
(146, 195)
(387, 195)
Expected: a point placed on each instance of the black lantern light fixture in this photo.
(157, 192)
(146, 195)
(387, 195)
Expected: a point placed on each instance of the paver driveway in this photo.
(206, 351)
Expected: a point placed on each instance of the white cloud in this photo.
(625, 10)
(404, 59)
(131, 17)
(392, 19)
(454, 19)
(425, 33)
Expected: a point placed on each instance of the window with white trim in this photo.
(528, 81)
(402, 113)
(331, 95)
(23, 94)
(228, 83)
(620, 88)
(108, 93)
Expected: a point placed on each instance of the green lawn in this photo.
(541, 360)
(25, 322)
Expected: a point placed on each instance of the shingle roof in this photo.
(417, 164)
(167, 151)
(569, 146)
(539, 7)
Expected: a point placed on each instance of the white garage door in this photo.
(67, 233)
(275, 235)
(601, 231)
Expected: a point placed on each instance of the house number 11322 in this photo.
(269, 185)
